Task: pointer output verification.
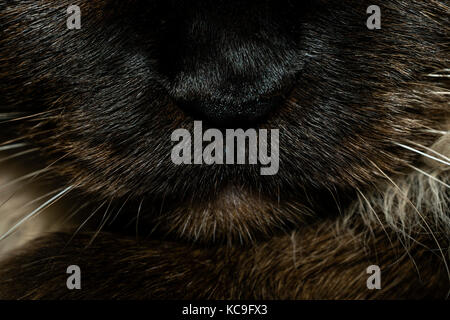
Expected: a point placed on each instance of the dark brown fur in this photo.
(320, 262)
(100, 104)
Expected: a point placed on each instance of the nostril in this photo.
(232, 114)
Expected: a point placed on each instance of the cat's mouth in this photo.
(233, 212)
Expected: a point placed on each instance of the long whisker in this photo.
(120, 209)
(71, 215)
(18, 154)
(27, 136)
(36, 174)
(85, 221)
(439, 74)
(102, 224)
(137, 219)
(442, 92)
(10, 115)
(420, 215)
(19, 116)
(106, 215)
(376, 215)
(13, 146)
(423, 154)
(430, 176)
(23, 178)
(38, 210)
(40, 198)
(434, 75)
(431, 150)
(437, 131)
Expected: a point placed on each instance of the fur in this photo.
(364, 176)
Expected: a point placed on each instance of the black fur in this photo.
(113, 92)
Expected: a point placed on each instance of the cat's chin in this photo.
(234, 215)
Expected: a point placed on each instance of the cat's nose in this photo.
(225, 74)
(232, 113)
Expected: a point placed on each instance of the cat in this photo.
(87, 178)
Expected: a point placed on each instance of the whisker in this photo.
(102, 224)
(439, 74)
(18, 154)
(137, 219)
(120, 209)
(33, 178)
(107, 214)
(420, 215)
(71, 215)
(438, 132)
(423, 154)
(38, 210)
(19, 117)
(40, 198)
(430, 176)
(431, 150)
(434, 75)
(376, 215)
(442, 92)
(13, 146)
(27, 136)
(10, 115)
(23, 178)
(83, 224)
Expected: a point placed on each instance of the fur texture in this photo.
(364, 149)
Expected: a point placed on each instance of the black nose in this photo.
(231, 113)
(226, 66)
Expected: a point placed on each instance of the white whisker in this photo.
(85, 221)
(102, 224)
(439, 74)
(13, 146)
(430, 176)
(423, 154)
(19, 154)
(442, 92)
(431, 150)
(70, 216)
(10, 115)
(23, 178)
(120, 209)
(419, 214)
(35, 212)
(438, 132)
(40, 198)
(137, 218)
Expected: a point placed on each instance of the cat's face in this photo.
(111, 94)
